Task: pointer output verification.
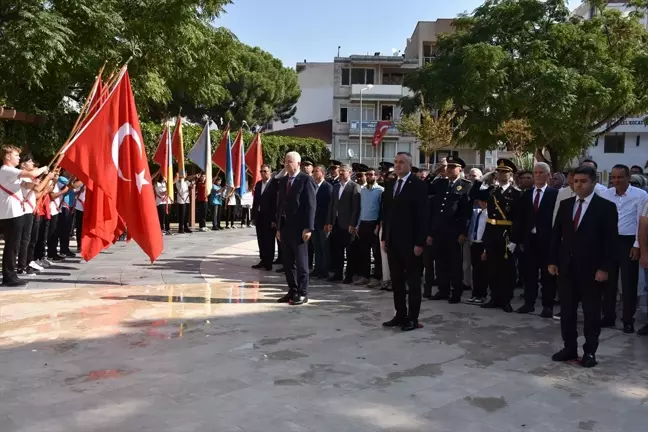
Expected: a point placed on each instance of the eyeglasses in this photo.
(264, 171)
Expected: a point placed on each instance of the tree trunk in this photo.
(557, 164)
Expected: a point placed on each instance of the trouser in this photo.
(466, 260)
(295, 262)
(229, 215)
(52, 236)
(201, 213)
(183, 217)
(340, 242)
(367, 243)
(448, 263)
(321, 251)
(33, 239)
(501, 265)
(279, 253)
(311, 253)
(479, 270)
(536, 259)
(405, 269)
(386, 274)
(245, 216)
(78, 217)
(576, 288)
(25, 238)
(43, 238)
(629, 271)
(12, 231)
(216, 216)
(64, 227)
(428, 260)
(266, 235)
(163, 217)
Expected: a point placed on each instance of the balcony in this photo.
(368, 128)
(379, 92)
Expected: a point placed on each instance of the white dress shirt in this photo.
(404, 180)
(533, 196)
(11, 201)
(481, 225)
(629, 205)
(584, 208)
(342, 186)
(264, 184)
(182, 189)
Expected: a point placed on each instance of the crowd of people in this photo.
(407, 230)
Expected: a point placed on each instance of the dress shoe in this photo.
(374, 283)
(14, 283)
(347, 281)
(286, 298)
(643, 331)
(427, 292)
(386, 286)
(489, 305)
(410, 325)
(280, 270)
(588, 361)
(277, 261)
(547, 312)
(268, 268)
(507, 308)
(525, 309)
(454, 299)
(298, 300)
(440, 296)
(258, 266)
(394, 322)
(565, 355)
(628, 328)
(606, 322)
(361, 281)
(334, 278)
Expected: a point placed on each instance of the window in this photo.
(614, 143)
(344, 114)
(369, 151)
(362, 76)
(387, 112)
(341, 149)
(393, 78)
(388, 150)
(368, 113)
(346, 76)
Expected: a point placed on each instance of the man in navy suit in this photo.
(531, 232)
(320, 238)
(263, 212)
(295, 221)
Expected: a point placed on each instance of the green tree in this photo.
(570, 79)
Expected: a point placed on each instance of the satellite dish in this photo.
(351, 153)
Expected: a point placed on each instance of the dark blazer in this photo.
(528, 218)
(346, 208)
(264, 206)
(590, 248)
(298, 205)
(323, 198)
(450, 208)
(405, 217)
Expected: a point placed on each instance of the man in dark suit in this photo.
(581, 257)
(405, 221)
(343, 215)
(295, 220)
(531, 233)
(264, 209)
(320, 238)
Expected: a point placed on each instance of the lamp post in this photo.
(370, 86)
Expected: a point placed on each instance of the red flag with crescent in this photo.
(381, 130)
(108, 153)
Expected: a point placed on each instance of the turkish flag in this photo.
(220, 154)
(254, 158)
(381, 130)
(108, 155)
(161, 155)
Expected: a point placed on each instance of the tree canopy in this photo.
(568, 78)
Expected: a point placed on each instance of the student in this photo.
(477, 252)
(163, 201)
(216, 200)
(79, 207)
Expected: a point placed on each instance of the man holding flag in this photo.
(200, 154)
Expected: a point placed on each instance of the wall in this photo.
(632, 154)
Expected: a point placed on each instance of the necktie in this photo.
(577, 216)
(289, 184)
(477, 224)
(536, 201)
(398, 187)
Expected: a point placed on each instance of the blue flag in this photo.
(229, 172)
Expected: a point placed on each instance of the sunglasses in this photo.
(264, 171)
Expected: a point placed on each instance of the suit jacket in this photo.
(405, 217)
(346, 208)
(323, 199)
(264, 205)
(528, 218)
(450, 208)
(590, 248)
(296, 207)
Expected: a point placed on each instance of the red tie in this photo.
(577, 216)
(289, 184)
(536, 201)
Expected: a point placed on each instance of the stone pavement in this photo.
(196, 342)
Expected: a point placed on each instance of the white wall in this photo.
(316, 101)
(632, 154)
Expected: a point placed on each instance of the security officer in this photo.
(432, 180)
(450, 215)
(502, 212)
(333, 176)
(386, 173)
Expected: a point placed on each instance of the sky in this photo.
(311, 30)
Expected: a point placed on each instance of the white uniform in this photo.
(29, 198)
(161, 195)
(11, 197)
(79, 203)
(55, 204)
(182, 188)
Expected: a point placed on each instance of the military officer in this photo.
(333, 176)
(502, 212)
(450, 210)
(432, 180)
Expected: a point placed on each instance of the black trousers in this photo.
(229, 215)
(33, 239)
(25, 238)
(536, 259)
(428, 261)
(367, 244)
(78, 220)
(52, 236)
(575, 289)
(448, 263)
(42, 238)
(311, 253)
(341, 243)
(216, 216)
(479, 270)
(12, 230)
(266, 235)
(245, 216)
(405, 269)
(183, 217)
(163, 217)
(295, 261)
(201, 213)
(501, 265)
(629, 271)
(64, 228)
(320, 241)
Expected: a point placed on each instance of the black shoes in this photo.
(507, 308)
(280, 270)
(547, 312)
(14, 283)
(395, 322)
(628, 328)
(334, 278)
(286, 298)
(347, 281)
(588, 361)
(489, 305)
(643, 331)
(454, 299)
(607, 322)
(259, 266)
(297, 300)
(525, 309)
(440, 296)
(410, 325)
(565, 355)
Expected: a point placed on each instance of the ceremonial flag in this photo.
(200, 155)
(177, 146)
(108, 154)
(254, 158)
(229, 173)
(381, 130)
(220, 155)
(238, 164)
(163, 158)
